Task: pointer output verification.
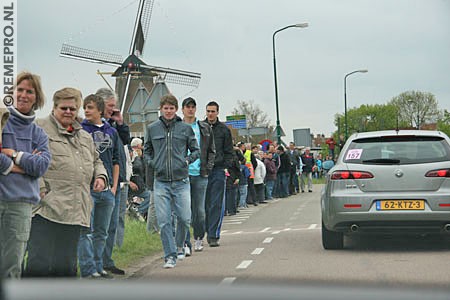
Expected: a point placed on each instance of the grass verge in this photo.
(319, 180)
(137, 244)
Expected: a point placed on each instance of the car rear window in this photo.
(398, 150)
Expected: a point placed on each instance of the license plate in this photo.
(400, 205)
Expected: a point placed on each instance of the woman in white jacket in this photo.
(260, 174)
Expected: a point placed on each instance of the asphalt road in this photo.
(280, 242)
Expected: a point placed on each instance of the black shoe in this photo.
(214, 243)
(303, 191)
(263, 202)
(255, 204)
(310, 191)
(115, 270)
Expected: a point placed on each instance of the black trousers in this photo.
(260, 192)
(251, 195)
(52, 249)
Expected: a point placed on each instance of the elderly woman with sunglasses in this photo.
(66, 202)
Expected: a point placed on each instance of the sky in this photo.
(404, 45)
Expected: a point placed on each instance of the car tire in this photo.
(332, 240)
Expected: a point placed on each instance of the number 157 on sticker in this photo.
(354, 154)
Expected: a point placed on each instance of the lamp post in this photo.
(345, 98)
(418, 112)
(300, 25)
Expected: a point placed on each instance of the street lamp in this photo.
(418, 112)
(300, 25)
(345, 98)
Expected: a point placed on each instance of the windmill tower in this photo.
(133, 74)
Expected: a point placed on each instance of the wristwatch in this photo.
(14, 155)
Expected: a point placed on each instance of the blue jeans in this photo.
(152, 225)
(93, 240)
(108, 262)
(120, 232)
(270, 183)
(174, 196)
(198, 195)
(144, 206)
(243, 195)
(215, 202)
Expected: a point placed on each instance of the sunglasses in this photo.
(65, 108)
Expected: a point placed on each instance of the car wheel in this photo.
(332, 240)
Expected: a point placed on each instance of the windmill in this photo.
(133, 73)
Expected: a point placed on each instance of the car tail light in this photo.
(342, 175)
(438, 173)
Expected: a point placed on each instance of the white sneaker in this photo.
(187, 251)
(181, 255)
(170, 263)
(198, 245)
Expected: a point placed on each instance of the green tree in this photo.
(370, 118)
(256, 117)
(416, 108)
(443, 123)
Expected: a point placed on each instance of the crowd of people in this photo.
(65, 182)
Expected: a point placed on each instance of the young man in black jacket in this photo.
(215, 191)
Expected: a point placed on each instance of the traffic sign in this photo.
(237, 121)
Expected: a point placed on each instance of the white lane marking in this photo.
(287, 229)
(312, 226)
(268, 240)
(237, 218)
(227, 281)
(223, 231)
(257, 251)
(265, 229)
(232, 223)
(244, 264)
(237, 232)
(276, 232)
(258, 231)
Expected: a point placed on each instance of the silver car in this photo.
(388, 181)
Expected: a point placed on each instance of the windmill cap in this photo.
(188, 101)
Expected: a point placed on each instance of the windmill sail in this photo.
(141, 26)
(74, 52)
(133, 69)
